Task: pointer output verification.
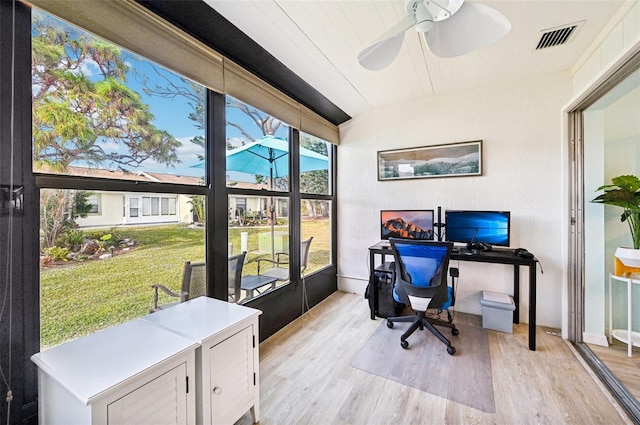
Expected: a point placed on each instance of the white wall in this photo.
(615, 45)
(520, 124)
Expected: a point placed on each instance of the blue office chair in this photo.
(421, 281)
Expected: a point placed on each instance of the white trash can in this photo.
(497, 311)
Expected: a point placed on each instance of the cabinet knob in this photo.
(217, 390)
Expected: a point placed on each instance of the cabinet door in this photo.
(162, 400)
(232, 380)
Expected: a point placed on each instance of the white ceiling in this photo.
(319, 41)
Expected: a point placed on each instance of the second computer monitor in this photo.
(478, 226)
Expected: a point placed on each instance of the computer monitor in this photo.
(478, 226)
(406, 224)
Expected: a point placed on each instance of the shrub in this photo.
(71, 239)
(58, 252)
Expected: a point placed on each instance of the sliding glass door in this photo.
(606, 144)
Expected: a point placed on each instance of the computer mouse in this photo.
(522, 253)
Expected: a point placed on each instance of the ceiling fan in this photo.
(450, 28)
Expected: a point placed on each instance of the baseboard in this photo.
(352, 285)
(597, 339)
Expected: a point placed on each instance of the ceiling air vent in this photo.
(558, 36)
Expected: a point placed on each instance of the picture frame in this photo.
(446, 160)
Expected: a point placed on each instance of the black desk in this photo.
(496, 256)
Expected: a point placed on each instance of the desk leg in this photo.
(532, 305)
(516, 293)
(374, 289)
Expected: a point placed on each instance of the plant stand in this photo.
(627, 336)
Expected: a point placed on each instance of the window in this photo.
(258, 158)
(134, 207)
(257, 149)
(315, 161)
(94, 202)
(105, 113)
(316, 202)
(131, 119)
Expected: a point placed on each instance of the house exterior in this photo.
(135, 208)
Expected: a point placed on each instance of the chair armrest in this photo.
(279, 261)
(260, 260)
(164, 289)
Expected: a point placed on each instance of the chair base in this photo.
(420, 321)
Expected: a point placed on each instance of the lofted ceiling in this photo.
(319, 40)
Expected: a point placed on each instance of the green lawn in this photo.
(81, 298)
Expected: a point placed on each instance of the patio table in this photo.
(251, 283)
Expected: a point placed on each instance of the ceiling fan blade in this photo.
(473, 26)
(386, 47)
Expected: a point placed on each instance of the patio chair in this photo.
(282, 273)
(282, 259)
(194, 283)
(236, 263)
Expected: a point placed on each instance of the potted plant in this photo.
(624, 192)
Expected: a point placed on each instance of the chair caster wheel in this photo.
(405, 344)
(455, 332)
(389, 324)
(451, 350)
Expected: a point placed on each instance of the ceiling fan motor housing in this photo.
(427, 12)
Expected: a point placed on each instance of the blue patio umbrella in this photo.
(269, 157)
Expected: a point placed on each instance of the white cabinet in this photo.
(134, 370)
(227, 361)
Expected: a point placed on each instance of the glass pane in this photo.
(96, 273)
(101, 111)
(133, 207)
(155, 208)
(146, 206)
(261, 229)
(611, 148)
(164, 206)
(257, 149)
(315, 163)
(316, 223)
(94, 201)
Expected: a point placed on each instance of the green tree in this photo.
(81, 101)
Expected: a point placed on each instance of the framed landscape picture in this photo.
(449, 160)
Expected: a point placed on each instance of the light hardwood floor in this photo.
(306, 378)
(626, 369)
